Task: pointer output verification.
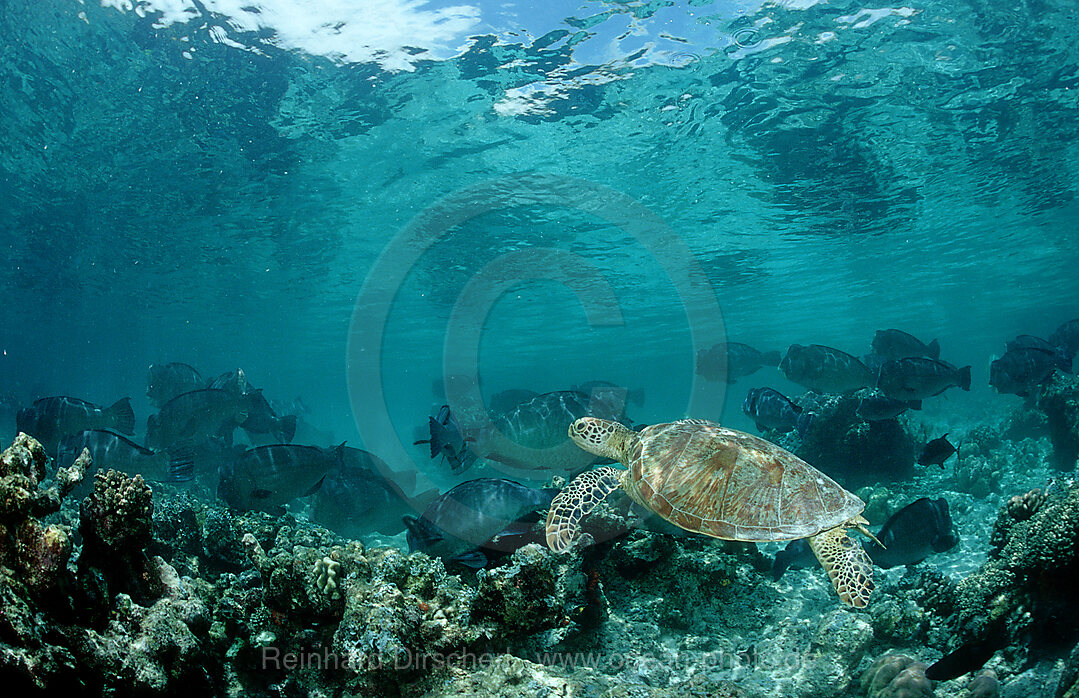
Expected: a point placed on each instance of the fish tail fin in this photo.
(964, 378)
(771, 358)
(636, 396)
(934, 350)
(437, 440)
(286, 428)
(914, 404)
(122, 416)
(181, 466)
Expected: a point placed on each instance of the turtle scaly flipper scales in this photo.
(580, 497)
(847, 564)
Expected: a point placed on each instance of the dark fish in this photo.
(478, 520)
(920, 378)
(265, 478)
(878, 407)
(507, 400)
(195, 417)
(824, 369)
(936, 452)
(873, 362)
(1020, 371)
(729, 361)
(262, 420)
(448, 441)
(231, 381)
(796, 554)
(166, 381)
(111, 451)
(1029, 341)
(771, 409)
(969, 657)
(897, 344)
(913, 533)
(1066, 337)
(364, 496)
(52, 419)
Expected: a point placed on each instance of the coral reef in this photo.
(1059, 399)
(985, 458)
(33, 555)
(116, 523)
(1029, 586)
(535, 592)
(896, 676)
(144, 649)
(1022, 506)
(171, 594)
(853, 451)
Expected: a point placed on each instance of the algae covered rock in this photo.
(1059, 400)
(534, 592)
(1029, 586)
(896, 676)
(118, 514)
(849, 449)
(984, 685)
(404, 616)
(35, 554)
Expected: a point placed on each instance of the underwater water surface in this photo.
(356, 201)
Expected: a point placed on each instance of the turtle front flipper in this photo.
(580, 497)
(847, 564)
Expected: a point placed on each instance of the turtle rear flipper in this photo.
(580, 497)
(847, 564)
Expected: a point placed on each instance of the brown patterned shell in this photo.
(732, 485)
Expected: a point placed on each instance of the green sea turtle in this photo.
(723, 483)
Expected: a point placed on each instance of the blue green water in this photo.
(214, 183)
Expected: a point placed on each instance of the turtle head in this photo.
(602, 437)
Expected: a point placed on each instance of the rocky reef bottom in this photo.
(133, 591)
